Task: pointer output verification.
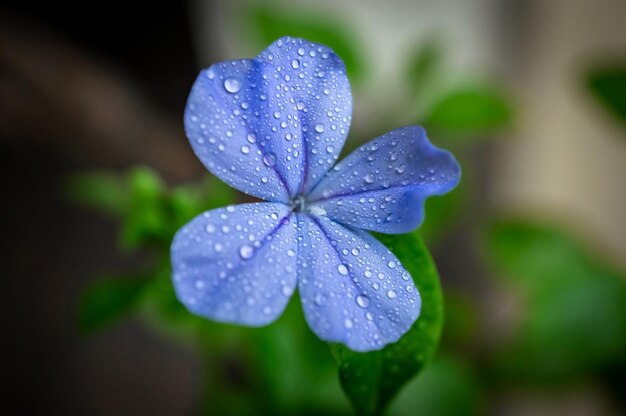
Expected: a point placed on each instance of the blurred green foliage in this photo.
(264, 24)
(446, 387)
(608, 86)
(108, 300)
(372, 379)
(424, 65)
(574, 319)
(470, 111)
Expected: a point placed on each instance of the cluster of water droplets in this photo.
(226, 265)
(271, 126)
(353, 289)
(382, 185)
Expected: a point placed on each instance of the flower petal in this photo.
(237, 264)
(317, 88)
(272, 125)
(382, 185)
(353, 289)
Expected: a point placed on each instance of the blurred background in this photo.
(531, 250)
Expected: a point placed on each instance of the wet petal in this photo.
(382, 185)
(237, 264)
(272, 125)
(316, 87)
(353, 289)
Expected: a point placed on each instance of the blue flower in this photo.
(273, 127)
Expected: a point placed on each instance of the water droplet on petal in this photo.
(348, 323)
(342, 269)
(245, 149)
(369, 178)
(246, 251)
(218, 247)
(232, 85)
(295, 64)
(392, 294)
(287, 291)
(319, 300)
(269, 159)
(391, 264)
(362, 301)
(319, 128)
(210, 228)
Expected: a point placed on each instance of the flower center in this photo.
(298, 204)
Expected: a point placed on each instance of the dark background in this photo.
(50, 247)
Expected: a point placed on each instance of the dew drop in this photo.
(342, 269)
(319, 300)
(210, 228)
(269, 159)
(295, 64)
(245, 149)
(319, 128)
(362, 301)
(391, 264)
(287, 291)
(348, 323)
(355, 251)
(218, 247)
(277, 114)
(251, 138)
(232, 85)
(246, 251)
(369, 178)
(392, 294)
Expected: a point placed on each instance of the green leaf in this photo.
(266, 24)
(104, 191)
(608, 85)
(470, 111)
(106, 301)
(371, 380)
(574, 305)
